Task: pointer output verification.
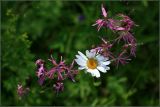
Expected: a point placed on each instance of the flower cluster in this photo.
(121, 25)
(59, 72)
(21, 91)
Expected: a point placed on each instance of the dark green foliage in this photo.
(31, 28)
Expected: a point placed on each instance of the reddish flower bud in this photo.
(21, 91)
(58, 87)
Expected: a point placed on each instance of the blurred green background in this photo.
(31, 28)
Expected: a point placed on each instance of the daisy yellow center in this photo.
(92, 63)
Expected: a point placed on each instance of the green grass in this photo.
(31, 28)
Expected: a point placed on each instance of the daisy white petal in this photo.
(81, 54)
(96, 73)
(81, 68)
(92, 54)
(106, 58)
(107, 68)
(87, 53)
(102, 69)
(92, 72)
(79, 62)
(100, 58)
(106, 63)
(78, 56)
(81, 58)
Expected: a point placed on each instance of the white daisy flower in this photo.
(92, 63)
